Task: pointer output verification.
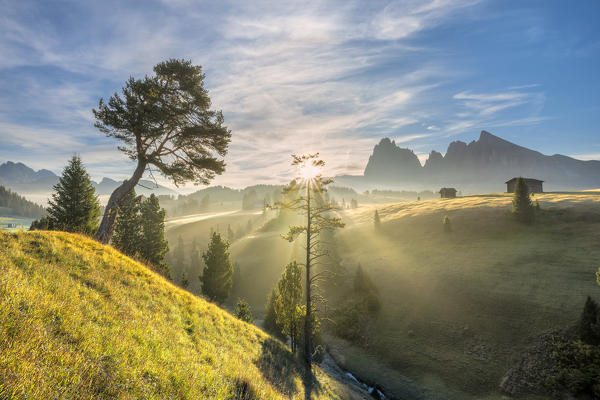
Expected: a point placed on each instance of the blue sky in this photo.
(328, 76)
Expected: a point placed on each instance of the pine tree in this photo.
(377, 221)
(270, 322)
(288, 303)
(218, 273)
(127, 237)
(447, 224)
(589, 323)
(74, 206)
(154, 245)
(195, 262)
(522, 208)
(230, 235)
(243, 311)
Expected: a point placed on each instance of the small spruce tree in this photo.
(522, 208)
(127, 237)
(377, 221)
(243, 311)
(154, 247)
(218, 273)
(74, 206)
(447, 224)
(589, 323)
(270, 322)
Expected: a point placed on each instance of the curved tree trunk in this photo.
(107, 225)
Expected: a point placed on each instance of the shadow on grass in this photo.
(279, 366)
(243, 391)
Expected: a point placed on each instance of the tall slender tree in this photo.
(306, 195)
(163, 121)
(128, 237)
(74, 206)
(217, 277)
(377, 221)
(154, 248)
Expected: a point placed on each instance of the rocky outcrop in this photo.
(489, 159)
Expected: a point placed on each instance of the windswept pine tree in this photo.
(217, 277)
(154, 247)
(163, 121)
(74, 205)
(128, 237)
(522, 207)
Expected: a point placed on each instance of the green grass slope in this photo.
(78, 320)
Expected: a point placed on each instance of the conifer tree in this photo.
(218, 273)
(74, 206)
(522, 207)
(307, 195)
(377, 221)
(288, 309)
(243, 311)
(127, 237)
(163, 121)
(154, 245)
(195, 262)
(230, 235)
(589, 323)
(270, 322)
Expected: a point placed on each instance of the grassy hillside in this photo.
(80, 320)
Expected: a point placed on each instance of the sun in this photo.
(308, 171)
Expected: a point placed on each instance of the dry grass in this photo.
(78, 320)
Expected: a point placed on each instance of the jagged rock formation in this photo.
(483, 164)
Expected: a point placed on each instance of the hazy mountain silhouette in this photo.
(482, 165)
(23, 179)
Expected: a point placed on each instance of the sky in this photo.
(333, 77)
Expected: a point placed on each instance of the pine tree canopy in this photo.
(74, 205)
(217, 278)
(164, 120)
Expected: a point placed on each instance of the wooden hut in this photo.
(534, 185)
(447, 193)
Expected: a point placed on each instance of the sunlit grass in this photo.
(78, 320)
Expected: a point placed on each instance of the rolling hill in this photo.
(80, 320)
(458, 309)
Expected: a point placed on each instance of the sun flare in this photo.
(309, 171)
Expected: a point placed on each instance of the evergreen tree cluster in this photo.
(19, 205)
(361, 308)
(74, 206)
(522, 207)
(140, 232)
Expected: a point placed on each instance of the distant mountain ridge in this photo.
(483, 164)
(23, 179)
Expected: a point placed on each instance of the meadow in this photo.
(458, 308)
(80, 320)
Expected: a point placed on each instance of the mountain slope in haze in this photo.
(483, 164)
(23, 179)
(80, 320)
